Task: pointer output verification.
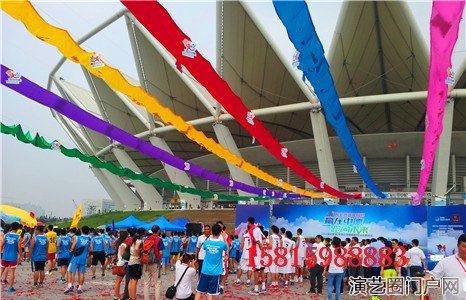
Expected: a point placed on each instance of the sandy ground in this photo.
(102, 288)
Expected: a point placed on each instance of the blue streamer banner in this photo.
(297, 20)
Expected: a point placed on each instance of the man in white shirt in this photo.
(315, 273)
(301, 245)
(200, 253)
(225, 237)
(416, 262)
(453, 267)
(255, 255)
(353, 246)
(274, 242)
(366, 269)
(245, 245)
(399, 250)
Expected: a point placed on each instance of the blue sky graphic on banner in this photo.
(445, 225)
(402, 222)
(243, 212)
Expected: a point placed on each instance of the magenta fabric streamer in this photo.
(444, 27)
(33, 91)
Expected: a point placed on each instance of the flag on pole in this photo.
(77, 216)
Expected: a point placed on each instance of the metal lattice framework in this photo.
(378, 58)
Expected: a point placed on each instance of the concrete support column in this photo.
(149, 195)
(408, 172)
(177, 176)
(130, 200)
(108, 187)
(323, 150)
(442, 156)
(364, 161)
(226, 140)
(453, 172)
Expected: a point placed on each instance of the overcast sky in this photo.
(47, 178)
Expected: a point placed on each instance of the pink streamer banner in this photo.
(444, 27)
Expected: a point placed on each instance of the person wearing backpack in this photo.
(80, 250)
(152, 248)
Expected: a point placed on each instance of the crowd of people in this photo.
(265, 260)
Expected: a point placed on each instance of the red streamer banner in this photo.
(153, 16)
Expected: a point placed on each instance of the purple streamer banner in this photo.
(31, 90)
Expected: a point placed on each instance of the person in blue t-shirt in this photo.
(97, 250)
(165, 253)
(212, 267)
(175, 250)
(108, 246)
(192, 242)
(39, 248)
(79, 249)
(11, 250)
(234, 253)
(63, 253)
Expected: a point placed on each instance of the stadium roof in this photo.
(376, 49)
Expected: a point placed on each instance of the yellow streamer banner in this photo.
(25, 12)
(77, 216)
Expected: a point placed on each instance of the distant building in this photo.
(97, 206)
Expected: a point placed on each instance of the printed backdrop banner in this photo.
(444, 225)
(401, 222)
(260, 212)
(436, 227)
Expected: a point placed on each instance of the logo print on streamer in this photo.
(280, 182)
(13, 77)
(273, 194)
(322, 184)
(285, 195)
(284, 152)
(231, 183)
(96, 60)
(250, 117)
(187, 166)
(355, 169)
(450, 80)
(295, 62)
(264, 192)
(423, 164)
(189, 49)
(215, 196)
(56, 145)
(293, 189)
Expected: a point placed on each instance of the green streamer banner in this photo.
(40, 142)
